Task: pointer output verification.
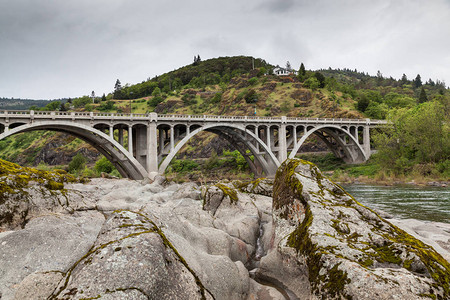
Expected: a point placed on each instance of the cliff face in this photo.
(345, 249)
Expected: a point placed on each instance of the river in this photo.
(404, 202)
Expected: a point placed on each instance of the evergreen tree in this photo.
(62, 107)
(417, 82)
(423, 96)
(103, 97)
(118, 90)
(197, 60)
(301, 72)
(404, 79)
(320, 78)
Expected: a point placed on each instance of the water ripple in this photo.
(422, 203)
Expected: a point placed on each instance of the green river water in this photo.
(404, 202)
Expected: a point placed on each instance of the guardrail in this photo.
(173, 117)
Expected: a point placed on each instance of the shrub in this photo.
(155, 101)
(103, 165)
(106, 106)
(77, 163)
(251, 96)
(217, 97)
(312, 83)
(183, 166)
(212, 162)
(253, 81)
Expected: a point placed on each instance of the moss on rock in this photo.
(15, 184)
(334, 231)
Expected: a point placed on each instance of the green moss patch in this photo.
(227, 191)
(14, 181)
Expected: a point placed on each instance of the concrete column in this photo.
(257, 135)
(130, 139)
(295, 136)
(161, 141)
(172, 137)
(282, 153)
(111, 132)
(121, 135)
(6, 128)
(140, 144)
(366, 140)
(152, 148)
(188, 130)
(268, 137)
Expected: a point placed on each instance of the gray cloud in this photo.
(53, 49)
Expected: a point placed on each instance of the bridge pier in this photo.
(152, 149)
(130, 139)
(282, 144)
(366, 141)
(121, 135)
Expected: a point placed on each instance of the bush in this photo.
(155, 101)
(312, 83)
(103, 165)
(212, 162)
(106, 106)
(235, 159)
(183, 166)
(253, 81)
(251, 96)
(77, 163)
(217, 97)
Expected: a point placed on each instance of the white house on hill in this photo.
(283, 71)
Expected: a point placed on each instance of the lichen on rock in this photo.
(349, 251)
(18, 185)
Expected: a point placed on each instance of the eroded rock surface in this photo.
(123, 239)
(158, 242)
(49, 243)
(326, 241)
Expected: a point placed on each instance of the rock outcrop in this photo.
(123, 239)
(26, 192)
(327, 245)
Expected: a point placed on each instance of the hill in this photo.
(21, 104)
(236, 86)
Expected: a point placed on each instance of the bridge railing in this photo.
(174, 117)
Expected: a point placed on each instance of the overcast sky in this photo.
(67, 48)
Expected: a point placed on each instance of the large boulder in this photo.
(327, 245)
(131, 259)
(49, 244)
(27, 192)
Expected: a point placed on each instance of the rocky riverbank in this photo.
(122, 239)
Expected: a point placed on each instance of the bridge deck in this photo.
(23, 114)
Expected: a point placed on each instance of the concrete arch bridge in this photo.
(154, 140)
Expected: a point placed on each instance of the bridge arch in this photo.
(354, 154)
(232, 133)
(125, 163)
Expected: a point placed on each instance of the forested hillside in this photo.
(247, 86)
